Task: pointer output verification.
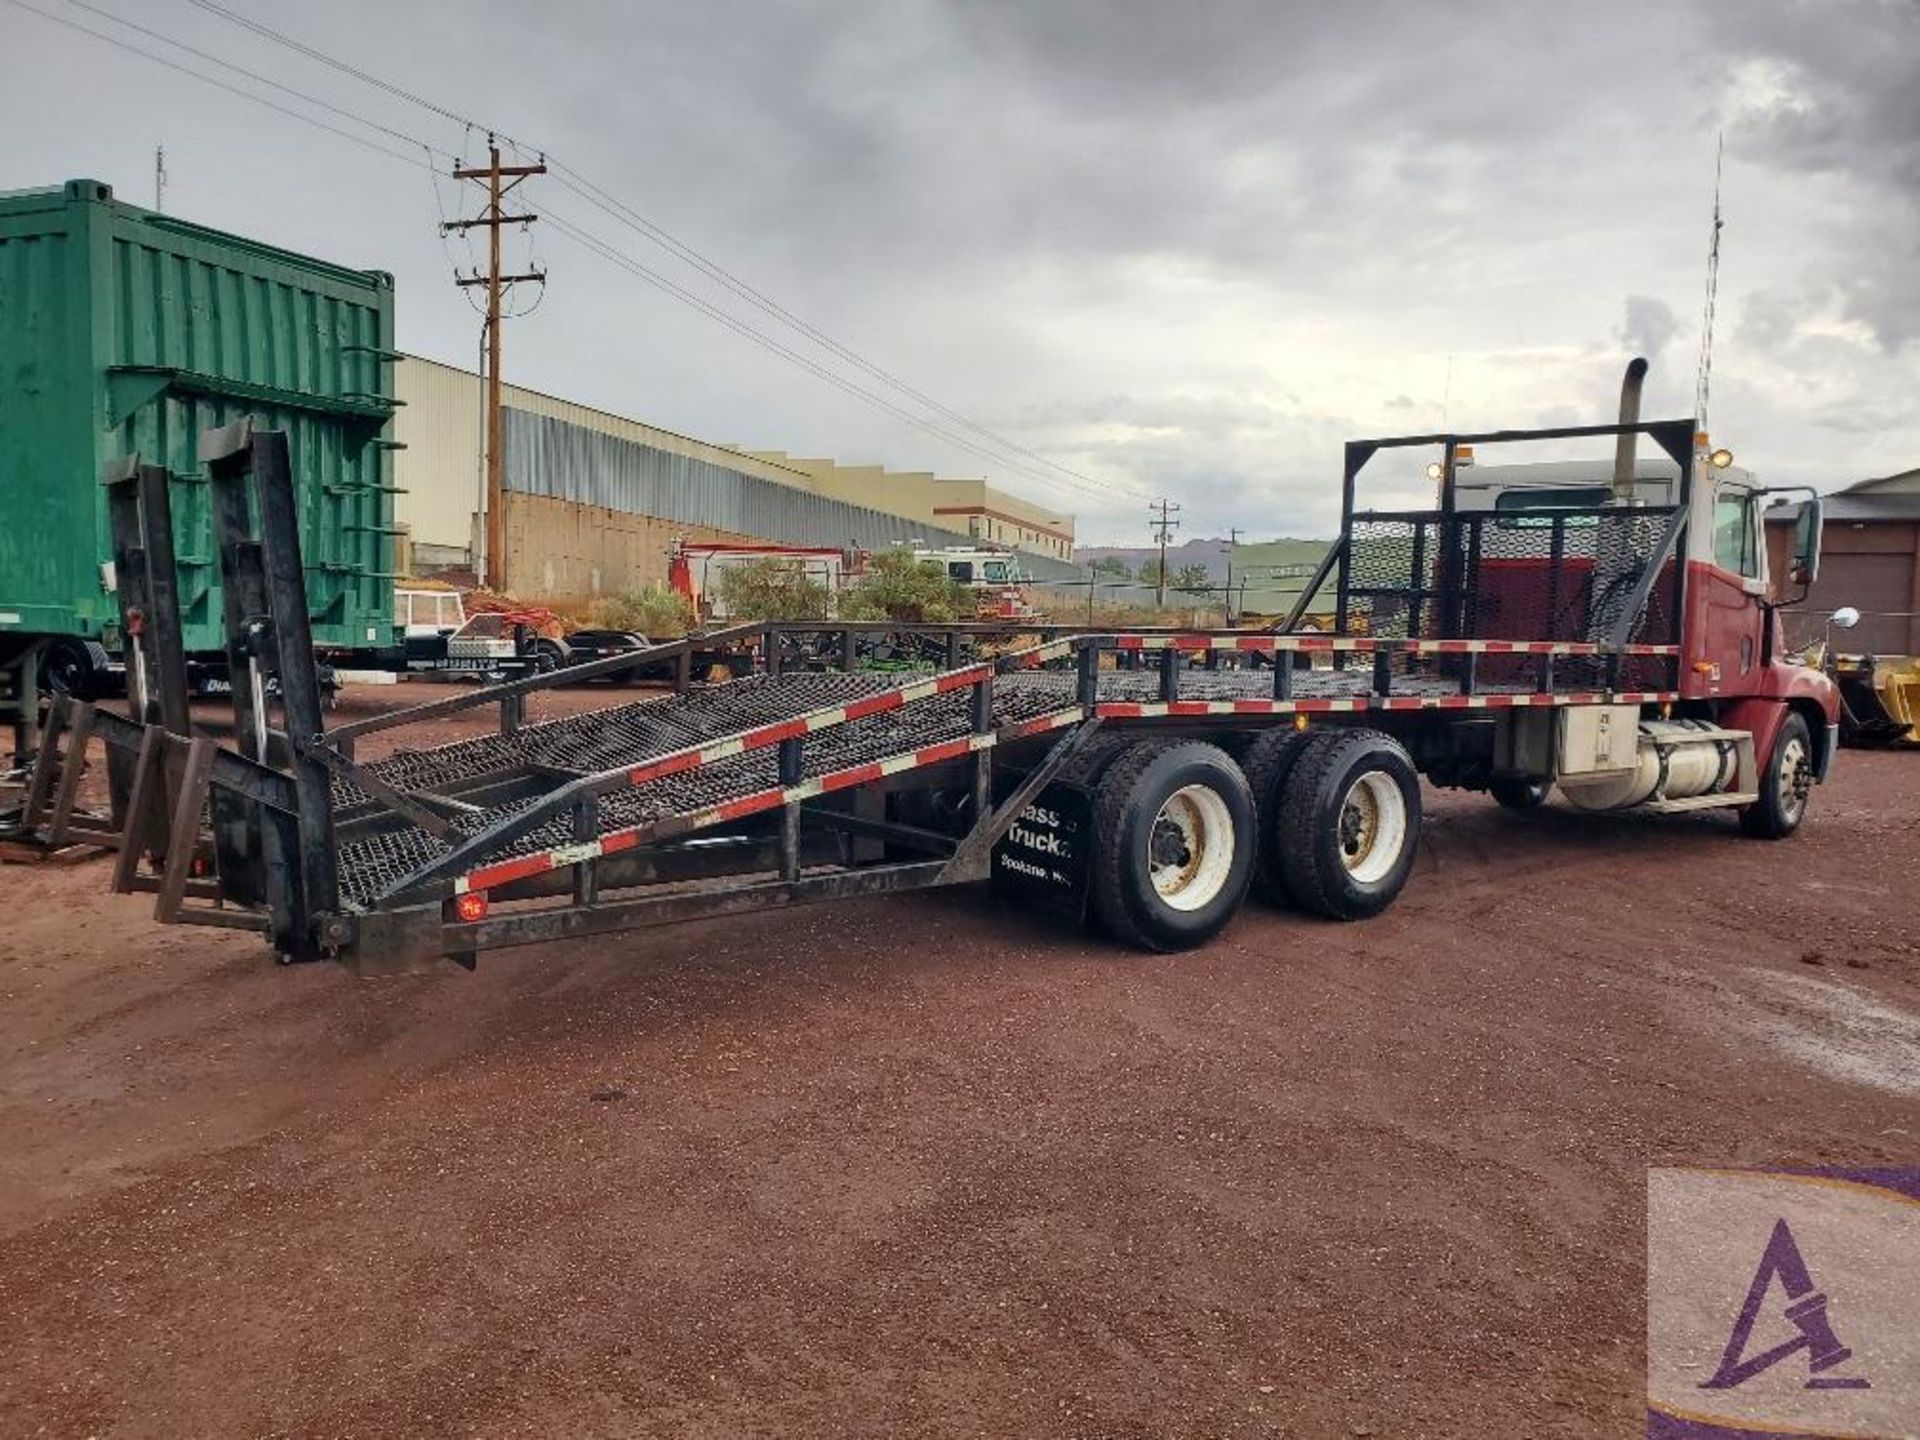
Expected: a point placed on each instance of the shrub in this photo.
(770, 589)
(656, 612)
(897, 586)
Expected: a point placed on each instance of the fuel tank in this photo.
(1677, 760)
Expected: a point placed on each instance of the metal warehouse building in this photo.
(1869, 559)
(594, 500)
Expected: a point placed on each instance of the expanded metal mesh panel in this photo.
(1568, 575)
(631, 734)
(625, 735)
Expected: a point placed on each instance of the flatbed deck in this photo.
(709, 755)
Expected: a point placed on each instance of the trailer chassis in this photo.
(784, 799)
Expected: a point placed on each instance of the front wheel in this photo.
(1175, 826)
(1784, 784)
(1349, 824)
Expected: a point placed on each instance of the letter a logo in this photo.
(1806, 1310)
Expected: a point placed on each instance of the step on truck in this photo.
(1614, 639)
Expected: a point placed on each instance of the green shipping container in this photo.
(124, 331)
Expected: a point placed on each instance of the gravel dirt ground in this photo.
(917, 1167)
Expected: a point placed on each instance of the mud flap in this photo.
(1041, 863)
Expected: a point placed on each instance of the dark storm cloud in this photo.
(1835, 96)
(1189, 246)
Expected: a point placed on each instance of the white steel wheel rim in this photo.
(1190, 849)
(1373, 827)
(1795, 778)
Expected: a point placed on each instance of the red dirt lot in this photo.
(916, 1166)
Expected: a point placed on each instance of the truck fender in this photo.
(1762, 716)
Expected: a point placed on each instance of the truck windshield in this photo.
(1538, 507)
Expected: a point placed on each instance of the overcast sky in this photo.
(1184, 249)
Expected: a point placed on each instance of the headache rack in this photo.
(780, 787)
(1610, 575)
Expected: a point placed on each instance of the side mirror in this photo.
(1806, 543)
(1846, 617)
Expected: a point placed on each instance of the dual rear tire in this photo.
(1339, 814)
(1327, 822)
(1175, 824)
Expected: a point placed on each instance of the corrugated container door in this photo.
(50, 540)
(122, 332)
(205, 328)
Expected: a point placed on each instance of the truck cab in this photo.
(1734, 665)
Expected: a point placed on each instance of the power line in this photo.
(581, 185)
(641, 271)
(255, 76)
(617, 209)
(594, 195)
(219, 84)
(269, 33)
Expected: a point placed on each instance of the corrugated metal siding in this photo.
(547, 456)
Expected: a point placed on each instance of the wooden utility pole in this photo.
(1164, 525)
(1234, 533)
(499, 179)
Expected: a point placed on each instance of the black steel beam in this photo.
(1652, 428)
(272, 469)
(532, 927)
(910, 836)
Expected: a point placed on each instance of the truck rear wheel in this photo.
(1349, 824)
(75, 668)
(1176, 829)
(1268, 762)
(1784, 784)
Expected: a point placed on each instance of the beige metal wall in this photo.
(973, 507)
(439, 423)
(562, 550)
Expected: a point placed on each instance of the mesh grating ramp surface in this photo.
(623, 735)
(630, 735)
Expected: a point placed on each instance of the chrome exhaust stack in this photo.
(1628, 442)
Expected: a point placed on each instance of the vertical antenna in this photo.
(159, 177)
(1703, 384)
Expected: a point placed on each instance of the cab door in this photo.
(1731, 598)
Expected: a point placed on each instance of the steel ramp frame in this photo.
(777, 831)
(763, 791)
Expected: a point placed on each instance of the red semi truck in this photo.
(1611, 632)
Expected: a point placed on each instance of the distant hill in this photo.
(1210, 552)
